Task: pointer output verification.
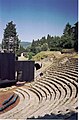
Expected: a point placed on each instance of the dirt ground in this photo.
(4, 96)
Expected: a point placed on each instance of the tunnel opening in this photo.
(38, 66)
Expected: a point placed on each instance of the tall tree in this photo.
(33, 47)
(75, 36)
(67, 30)
(67, 38)
(10, 42)
(49, 40)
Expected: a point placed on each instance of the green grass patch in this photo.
(44, 54)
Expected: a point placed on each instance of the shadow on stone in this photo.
(7, 83)
(69, 116)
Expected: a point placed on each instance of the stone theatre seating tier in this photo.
(7, 68)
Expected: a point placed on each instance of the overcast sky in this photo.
(37, 18)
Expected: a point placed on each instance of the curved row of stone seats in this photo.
(66, 85)
(70, 81)
(69, 67)
(69, 64)
(46, 94)
(67, 98)
(73, 60)
(48, 82)
(54, 88)
(32, 107)
(72, 73)
(66, 74)
(68, 91)
(42, 91)
(63, 92)
(44, 107)
(33, 102)
(7, 114)
(49, 87)
(26, 104)
(55, 92)
(62, 72)
(45, 89)
(35, 88)
(43, 96)
(38, 94)
(52, 93)
(65, 69)
(23, 97)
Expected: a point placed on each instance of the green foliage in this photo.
(75, 37)
(33, 47)
(30, 55)
(44, 47)
(38, 49)
(67, 30)
(10, 42)
(21, 50)
(51, 43)
(68, 40)
(10, 30)
(28, 49)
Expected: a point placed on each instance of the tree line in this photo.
(69, 39)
